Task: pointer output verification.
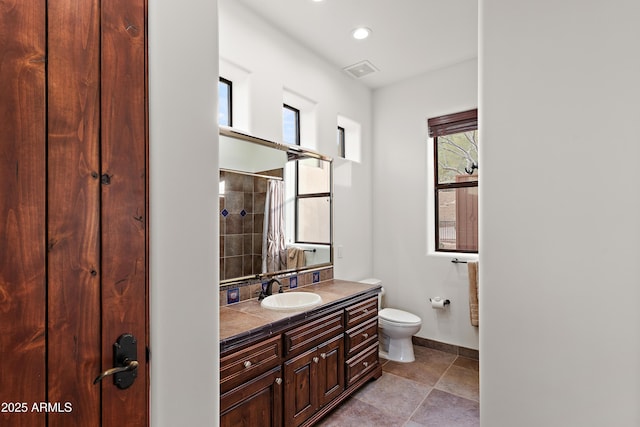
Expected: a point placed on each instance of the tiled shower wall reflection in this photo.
(242, 200)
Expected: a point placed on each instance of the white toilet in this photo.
(396, 327)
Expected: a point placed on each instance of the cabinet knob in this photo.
(365, 310)
(365, 364)
(323, 355)
(278, 381)
(316, 360)
(247, 364)
(365, 335)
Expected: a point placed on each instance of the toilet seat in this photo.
(398, 317)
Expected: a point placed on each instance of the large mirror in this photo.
(275, 207)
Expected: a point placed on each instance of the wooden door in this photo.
(73, 210)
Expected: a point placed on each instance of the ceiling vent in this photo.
(361, 69)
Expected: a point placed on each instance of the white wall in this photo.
(183, 65)
(410, 275)
(276, 63)
(559, 202)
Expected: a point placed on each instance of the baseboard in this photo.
(447, 348)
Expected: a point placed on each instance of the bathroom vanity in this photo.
(295, 367)
(285, 368)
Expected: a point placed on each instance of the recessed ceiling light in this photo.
(361, 33)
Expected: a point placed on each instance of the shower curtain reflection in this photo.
(274, 253)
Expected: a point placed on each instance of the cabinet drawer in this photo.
(362, 364)
(245, 364)
(362, 311)
(361, 337)
(313, 333)
(255, 403)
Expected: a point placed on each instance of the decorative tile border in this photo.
(250, 289)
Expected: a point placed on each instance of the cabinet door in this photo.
(257, 402)
(330, 377)
(300, 391)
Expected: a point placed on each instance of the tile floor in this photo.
(437, 390)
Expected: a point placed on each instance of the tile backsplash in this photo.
(250, 289)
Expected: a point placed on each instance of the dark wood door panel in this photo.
(22, 211)
(73, 199)
(124, 205)
(73, 208)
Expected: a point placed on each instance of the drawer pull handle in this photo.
(365, 335)
(323, 355)
(278, 381)
(365, 310)
(365, 364)
(316, 360)
(247, 364)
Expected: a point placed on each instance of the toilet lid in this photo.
(398, 316)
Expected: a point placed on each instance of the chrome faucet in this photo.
(269, 289)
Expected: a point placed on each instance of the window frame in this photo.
(229, 84)
(318, 195)
(449, 124)
(341, 142)
(297, 121)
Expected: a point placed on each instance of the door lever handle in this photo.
(125, 363)
(129, 365)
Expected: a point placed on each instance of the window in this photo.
(224, 102)
(350, 131)
(313, 201)
(341, 149)
(290, 125)
(455, 142)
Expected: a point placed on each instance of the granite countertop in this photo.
(243, 321)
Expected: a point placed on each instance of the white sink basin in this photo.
(291, 301)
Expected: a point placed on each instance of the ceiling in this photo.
(409, 37)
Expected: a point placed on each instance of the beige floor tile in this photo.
(461, 382)
(441, 409)
(427, 369)
(394, 395)
(439, 389)
(356, 413)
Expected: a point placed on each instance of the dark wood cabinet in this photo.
(331, 376)
(258, 402)
(297, 376)
(361, 340)
(312, 380)
(241, 366)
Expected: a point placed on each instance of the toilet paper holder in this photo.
(438, 299)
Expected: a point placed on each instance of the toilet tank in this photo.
(374, 281)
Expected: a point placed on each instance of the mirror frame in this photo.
(294, 152)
